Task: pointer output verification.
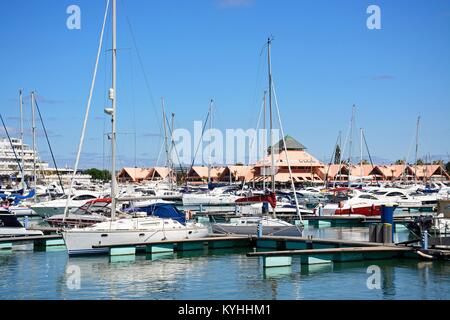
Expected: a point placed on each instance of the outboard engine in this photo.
(420, 224)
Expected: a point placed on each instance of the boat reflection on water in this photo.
(277, 272)
(310, 269)
(125, 277)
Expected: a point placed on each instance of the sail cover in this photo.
(162, 210)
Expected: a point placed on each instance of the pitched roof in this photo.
(429, 170)
(135, 174)
(355, 170)
(158, 172)
(202, 171)
(334, 169)
(245, 172)
(394, 170)
(291, 144)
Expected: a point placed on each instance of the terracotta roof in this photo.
(392, 171)
(202, 172)
(135, 174)
(355, 170)
(429, 170)
(238, 172)
(333, 170)
(158, 172)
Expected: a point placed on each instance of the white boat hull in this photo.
(45, 210)
(208, 200)
(79, 241)
(22, 211)
(19, 232)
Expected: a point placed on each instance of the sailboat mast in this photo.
(210, 136)
(113, 96)
(272, 156)
(264, 138)
(33, 130)
(166, 146)
(171, 167)
(361, 155)
(21, 137)
(417, 149)
(350, 152)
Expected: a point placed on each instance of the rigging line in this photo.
(286, 153)
(105, 97)
(258, 76)
(173, 145)
(367, 148)
(133, 105)
(147, 83)
(199, 142)
(88, 107)
(49, 145)
(339, 174)
(10, 142)
(252, 141)
(408, 155)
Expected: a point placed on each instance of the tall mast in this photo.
(272, 156)
(417, 149)
(21, 138)
(264, 138)
(166, 146)
(210, 136)
(113, 96)
(171, 167)
(350, 152)
(361, 155)
(33, 129)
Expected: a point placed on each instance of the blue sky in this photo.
(324, 60)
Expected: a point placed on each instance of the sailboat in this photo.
(218, 196)
(127, 230)
(12, 198)
(251, 225)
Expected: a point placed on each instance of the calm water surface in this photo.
(216, 274)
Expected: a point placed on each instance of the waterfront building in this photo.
(305, 168)
(237, 173)
(10, 169)
(137, 175)
(133, 174)
(199, 174)
(430, 172)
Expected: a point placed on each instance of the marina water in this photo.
(217, 274)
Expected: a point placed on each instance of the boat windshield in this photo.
(96, 208)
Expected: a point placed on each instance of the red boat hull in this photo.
(365, 211)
